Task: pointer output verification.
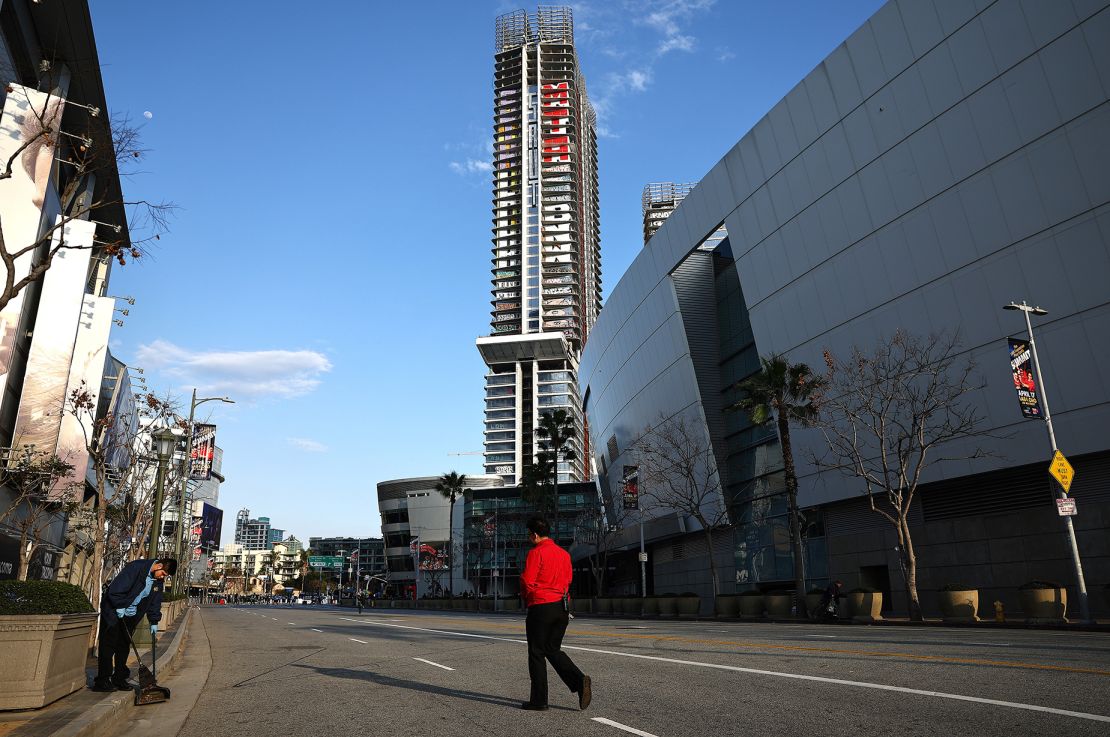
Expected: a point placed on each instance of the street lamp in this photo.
(164, 443)
(342, 560)
(179, 544)
(1084, 608)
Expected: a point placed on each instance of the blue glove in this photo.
(120, 613)
(131, 611)
(153, 629)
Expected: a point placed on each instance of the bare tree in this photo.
(889, 414)
(93, 152)
(678, 472)
(38, 501)
(599, 527)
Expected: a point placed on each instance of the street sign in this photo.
(1061, 470)
(643, 557)
(325, 561)
(1065, 507)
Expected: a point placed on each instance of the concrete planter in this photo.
(1044, 606)
(668, 606)
(689, 606)
(651, 607)
(751, 607)
(581, 606)
(485, 605)
(471, 605)
(603, 605)
(633, 606)
(728, 606)
(865, 607)
(959, 606)
(43, 657)
(813, 603)
(778, 604)
(510, 605)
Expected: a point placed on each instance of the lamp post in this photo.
(342, 561)
(1084, 607)
(164, 442)
(179, 544)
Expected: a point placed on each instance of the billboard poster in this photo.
(630, 487)
(30, 155)
(204, 450)
(211, 522)
(1025, 383)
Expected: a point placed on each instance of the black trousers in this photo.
(113, 649)
(546, 624)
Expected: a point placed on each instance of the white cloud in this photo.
(724, 53)
(246, 374)
(638, 80)
(307, 445)
(471, 166)
(677, 42)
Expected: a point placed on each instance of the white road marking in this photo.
(777, 674)
(625, 727)
(359, 641)
(274, 618)
(989, 644)
(435, 664)
(292, 623)
(316, 630)
(820, 635)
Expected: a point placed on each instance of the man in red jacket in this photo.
(544, 584)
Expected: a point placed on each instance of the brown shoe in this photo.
(586, 694)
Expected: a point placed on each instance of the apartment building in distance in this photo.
(546, 265)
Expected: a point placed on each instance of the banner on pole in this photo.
(1024, 382)
(630, 487)
(204, 450)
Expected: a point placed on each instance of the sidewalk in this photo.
(88, 713)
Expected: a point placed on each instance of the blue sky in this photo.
(329, 266)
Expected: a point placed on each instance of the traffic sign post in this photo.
(1065, 507)
(1060, 469)
(325, 561)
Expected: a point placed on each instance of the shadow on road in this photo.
(391, 682)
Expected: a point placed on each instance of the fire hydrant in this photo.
(999, 612)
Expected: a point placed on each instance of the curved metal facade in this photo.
(946, 159)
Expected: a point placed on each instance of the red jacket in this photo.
(546, 577)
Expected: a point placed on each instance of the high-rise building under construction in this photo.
(546, 267)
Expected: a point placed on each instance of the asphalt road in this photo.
(319, 672)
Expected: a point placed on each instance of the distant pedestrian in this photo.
(135, 592)
(830, 604)
(545, 587)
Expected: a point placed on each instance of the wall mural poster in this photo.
(1024, 382)
(204, 450)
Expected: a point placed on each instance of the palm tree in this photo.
(784, 392)
(451, 486)
(273, 557)
(555, 431)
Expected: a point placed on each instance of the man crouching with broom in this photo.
(135, 592)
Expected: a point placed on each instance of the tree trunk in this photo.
(712, 561)
(795, 522)
(451, 550)
(911, 569)
(25, 553)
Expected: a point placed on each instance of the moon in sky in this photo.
(148, 115)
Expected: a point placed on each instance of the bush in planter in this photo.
(959, 602)
(42, 597)
(865, 604)
(44, 635)
(778, 603)
(751, 603)
(668, 605)
(1043, 601)
(728, 605)
(689, 604)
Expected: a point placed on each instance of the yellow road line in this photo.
(809, 649)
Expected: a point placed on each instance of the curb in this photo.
(111, 710)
